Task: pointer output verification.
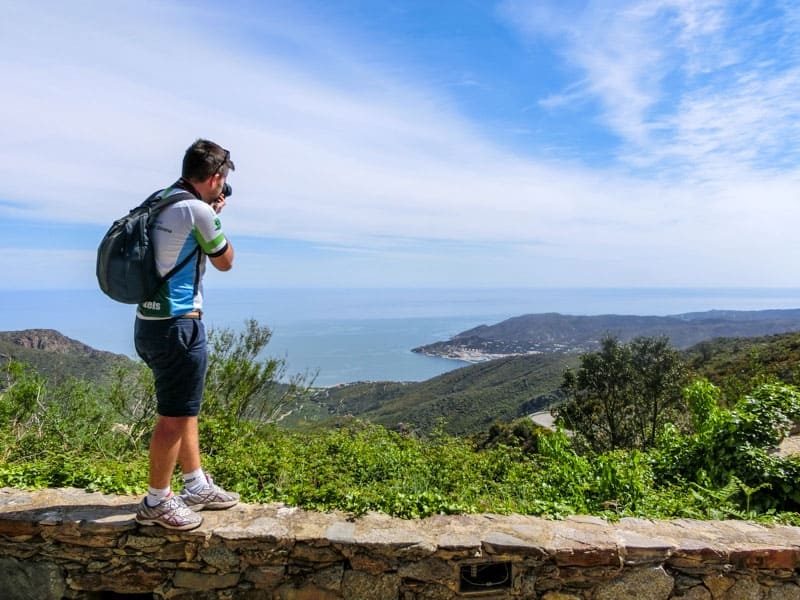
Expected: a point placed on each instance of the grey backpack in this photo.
(126, 266)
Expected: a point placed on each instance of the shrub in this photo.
(734, 447)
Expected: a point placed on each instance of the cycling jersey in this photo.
(179, 230)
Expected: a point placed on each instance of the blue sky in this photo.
(415, 143)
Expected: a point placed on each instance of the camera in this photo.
(227, 190)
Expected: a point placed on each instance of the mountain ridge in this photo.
(561, 333)
(466, 400)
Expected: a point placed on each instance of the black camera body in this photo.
(227, 190)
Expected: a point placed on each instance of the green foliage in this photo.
(73, 433)
(240, 386)
(736, 365)
(470, 398)
(520, 433)
(703, 399)
(735, 446)
(622, 395)
(20, 393)
(132, 395)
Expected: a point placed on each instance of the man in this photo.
(170, 338)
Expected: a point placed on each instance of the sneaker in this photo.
(211, 497)
(172, 513)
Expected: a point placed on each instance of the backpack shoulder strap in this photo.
(161, 199)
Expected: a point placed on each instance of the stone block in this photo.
(89, 541)
(18, 527)
(787, 591)
(265, 577)
(171, 551)
(142, 543)
(204, 581)
(341, 532)
(638, 548)
(261, 528)
(698, 592)
(329, 578)
(651, 583)
(745, 589)
(364, 586)
(25, 580)
(433, 570)
(587, 557)
(289, 592)
(718, 584)
(125, 579)
(371, 564)
(220, 558)
(559, 596)
(497, 542)
(766, 558)
(316, 553)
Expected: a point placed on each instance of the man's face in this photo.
(213, 187)
(218, 183)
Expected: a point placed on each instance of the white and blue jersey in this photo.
(178, 231)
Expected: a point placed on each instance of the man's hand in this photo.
(218, 204)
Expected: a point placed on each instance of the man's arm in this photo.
(224, 261)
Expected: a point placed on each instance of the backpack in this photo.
(126, 265)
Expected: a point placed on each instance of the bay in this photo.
(347, 335)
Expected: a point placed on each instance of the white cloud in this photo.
(334, 145)
(688, 86)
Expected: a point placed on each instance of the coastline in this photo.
(471, 355)
(348, 335)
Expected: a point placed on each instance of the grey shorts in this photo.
(176, 352)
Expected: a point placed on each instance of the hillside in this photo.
(554, 332)
(469, 399)
(732, 362)
(57, 357)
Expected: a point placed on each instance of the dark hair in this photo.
(203, 159)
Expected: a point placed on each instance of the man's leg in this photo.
(175, 439)
(189, 453)
(164, 508)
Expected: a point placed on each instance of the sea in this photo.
(338, 336)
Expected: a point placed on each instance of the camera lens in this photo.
(227, 190)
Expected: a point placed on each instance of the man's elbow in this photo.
(223, 262)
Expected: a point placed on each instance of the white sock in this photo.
(156, 496)
(195, 481)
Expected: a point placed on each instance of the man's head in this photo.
(206, 166)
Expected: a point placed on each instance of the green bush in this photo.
(732, 449)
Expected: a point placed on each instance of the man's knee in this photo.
(174, 426)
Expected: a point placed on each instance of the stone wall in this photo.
(71, 544)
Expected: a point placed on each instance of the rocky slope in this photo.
(57, 357)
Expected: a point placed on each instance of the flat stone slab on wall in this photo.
(68, 543)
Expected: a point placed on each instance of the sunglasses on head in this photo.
(222, 163)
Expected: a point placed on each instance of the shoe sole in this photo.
(150, 522)
(212, 505)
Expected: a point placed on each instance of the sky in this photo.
(414, 143)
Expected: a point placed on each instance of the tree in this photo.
(242, 386)
(622, 395)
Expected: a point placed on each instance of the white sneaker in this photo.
(211, 497)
